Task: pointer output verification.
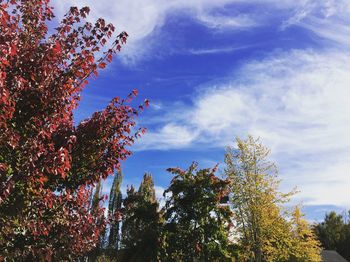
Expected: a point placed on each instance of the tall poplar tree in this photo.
(95, 204)
(114, 211)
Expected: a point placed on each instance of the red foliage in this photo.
(47, 164)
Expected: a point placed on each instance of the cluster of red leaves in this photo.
(47, 164)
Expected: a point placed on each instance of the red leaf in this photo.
(13, 50)
(57, 48)
(102, 65)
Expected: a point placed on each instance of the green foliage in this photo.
(197, 226)
(141, 223)
(334, 233)
(330, 231)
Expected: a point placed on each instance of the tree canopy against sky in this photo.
(278, 70)
(47, 162)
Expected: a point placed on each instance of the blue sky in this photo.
(214, 70)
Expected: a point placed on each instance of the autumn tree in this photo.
(47, 162)
(305, 246)
(264, 232)
(141, 223)
(197, 225)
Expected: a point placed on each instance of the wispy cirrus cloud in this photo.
(328, 19)
(218, 50)
(297, 102)
(142, 19)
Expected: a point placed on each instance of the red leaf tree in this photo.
(48, 164)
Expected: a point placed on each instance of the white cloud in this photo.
(297, 102)
(224, 22)
(170, 135)
(329, 19)
(220, 50)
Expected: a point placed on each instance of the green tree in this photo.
(306, 247)
(197, 226)
(344, 249)
(334, 233)
(264, 233)
(141, 223)
(114, 211)
(330, 231)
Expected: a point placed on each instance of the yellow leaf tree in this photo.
(306, 247)
(263, 230)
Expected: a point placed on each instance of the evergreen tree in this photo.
(305, 245)
(334, 233)
(330, 231)
(264, 232)
(141, 223)
(146, 189)
(197, 226)
(114, 211)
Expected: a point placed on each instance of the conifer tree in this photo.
(146, 189)
(141, 223)
(330, 231)
(334, 233)
(114, 211)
